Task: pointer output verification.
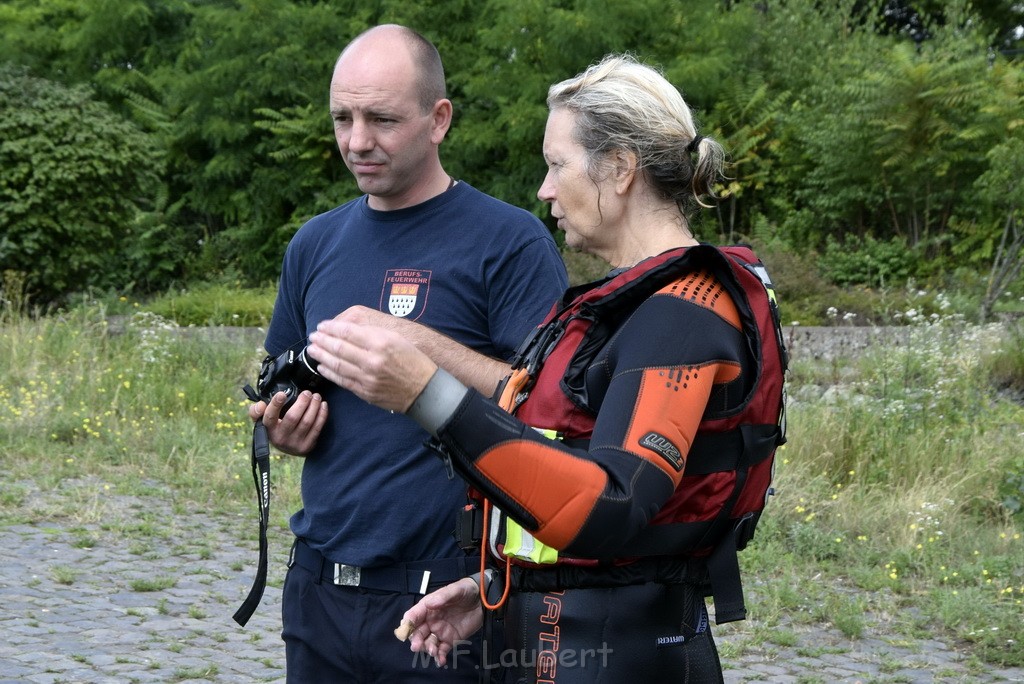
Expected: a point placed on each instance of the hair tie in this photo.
(692, 147)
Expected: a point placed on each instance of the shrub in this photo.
(804, 296)
(582, 267)
(75, 178)
(867, 261)
(1006, 366)
(216, 305)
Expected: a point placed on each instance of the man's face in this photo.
(387, 141)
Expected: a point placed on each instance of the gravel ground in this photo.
(148, 596)
(90, 603)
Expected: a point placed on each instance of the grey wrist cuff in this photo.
(437, 402)
(488, 575)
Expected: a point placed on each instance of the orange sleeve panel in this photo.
(703, 289)
(556, 488)
(668, 410)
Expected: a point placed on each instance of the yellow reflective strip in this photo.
(514, 540)
(544, 554)
(521, 544)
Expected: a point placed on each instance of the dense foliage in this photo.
(77, 179)
(883, 123)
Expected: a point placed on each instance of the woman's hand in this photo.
(377, 365)
(445, 617)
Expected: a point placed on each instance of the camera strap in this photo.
(261, 476)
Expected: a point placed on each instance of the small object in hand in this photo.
(403, 630)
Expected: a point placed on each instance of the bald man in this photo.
(423, 253)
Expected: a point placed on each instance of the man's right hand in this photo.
(297, 431)
(444, 617)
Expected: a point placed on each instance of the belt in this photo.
(663, 570)
(417, 577)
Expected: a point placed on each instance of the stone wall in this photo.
(828, 343)
(823, 342)
(804, 342)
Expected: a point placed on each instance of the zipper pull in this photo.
(441, 450)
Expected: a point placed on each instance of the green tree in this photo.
(836, 121)
(237, 60)
(878, 135)
(102, 42)
(34, 34)
(992, 234)
(75, 182)
(775, 102)
(746, 118)
(524, 46)
(1001, 189)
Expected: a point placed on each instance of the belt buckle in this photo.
(346, 575)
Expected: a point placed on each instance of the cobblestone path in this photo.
(149, 598)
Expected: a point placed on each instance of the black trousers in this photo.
(647, 633)
(345, 635)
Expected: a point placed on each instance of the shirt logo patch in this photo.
(405, 292)
(661, 445)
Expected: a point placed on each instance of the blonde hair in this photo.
(620, 103)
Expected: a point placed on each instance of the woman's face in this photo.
(575, 197)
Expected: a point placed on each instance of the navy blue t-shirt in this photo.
(465, 264)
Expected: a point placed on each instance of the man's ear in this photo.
(442, 120)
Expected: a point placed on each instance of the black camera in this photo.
(290, 373)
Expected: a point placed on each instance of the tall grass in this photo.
(895, 479)
(895, 493)
(216, 304)
(152, 407)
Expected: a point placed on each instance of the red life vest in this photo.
(729, 466)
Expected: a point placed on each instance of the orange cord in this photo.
(483, 566)
(513, 385)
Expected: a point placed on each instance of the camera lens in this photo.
(306, 373)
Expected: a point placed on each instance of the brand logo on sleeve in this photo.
(661, 445)
(405, 292)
